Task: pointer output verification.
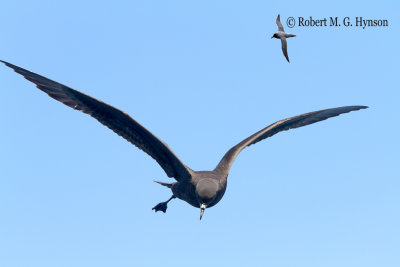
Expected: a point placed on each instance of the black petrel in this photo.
(281, 34)
(201, 189)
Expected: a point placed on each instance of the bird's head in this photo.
(206, 192)
(275, 36)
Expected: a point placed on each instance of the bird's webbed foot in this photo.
(162, 206)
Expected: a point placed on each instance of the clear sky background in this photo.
(202, 76)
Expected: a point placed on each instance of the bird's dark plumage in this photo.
(282, 125)
(118, 121)
(200, 189)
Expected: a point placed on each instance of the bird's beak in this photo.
(202, 208)
(272, 37)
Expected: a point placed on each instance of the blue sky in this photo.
(202, 76)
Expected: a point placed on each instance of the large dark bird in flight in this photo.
(201, 189)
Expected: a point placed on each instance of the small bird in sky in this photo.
(281, 34)
(201, 189)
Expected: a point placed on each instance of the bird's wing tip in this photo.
(356, 107)
(7, 64)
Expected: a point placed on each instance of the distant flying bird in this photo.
(201, 189)
(281, 34)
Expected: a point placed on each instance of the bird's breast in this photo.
(186, 192)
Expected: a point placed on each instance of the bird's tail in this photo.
(290, 35)
(169, 185)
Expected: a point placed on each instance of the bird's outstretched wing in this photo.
(278, 22)
(282, 125)
(118, 121)
(284, 48)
